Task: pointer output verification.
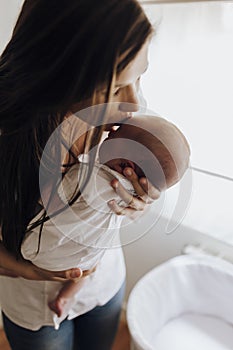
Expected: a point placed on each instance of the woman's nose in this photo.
(129, 101)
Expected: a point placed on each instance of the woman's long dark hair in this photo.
(59, 54)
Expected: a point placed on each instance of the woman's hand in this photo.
(146, 194)
(27, 270)
(32, 272)
(11, 267)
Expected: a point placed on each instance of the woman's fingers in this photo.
(128, 198)
(126, 211)
(74, 273)
(152, 191)
(146, 194)
(142, 186)
(70, 274)
(33, 272)
(117, 209)
(133, 178)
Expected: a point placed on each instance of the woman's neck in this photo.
(74, 132)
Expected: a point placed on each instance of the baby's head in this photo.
(152, 146)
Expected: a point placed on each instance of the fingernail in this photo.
(75, 274)
(143, 181)
(128, 172)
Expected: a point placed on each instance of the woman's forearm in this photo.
(8, 261)
(11, 267)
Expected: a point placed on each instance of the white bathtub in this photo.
(183, 304)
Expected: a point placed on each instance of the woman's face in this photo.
(125, 93)
(124, 100)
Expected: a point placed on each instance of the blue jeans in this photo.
(94, 330)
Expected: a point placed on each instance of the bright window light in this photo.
(190, 77)
(190, 82)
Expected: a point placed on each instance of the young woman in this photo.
(64, 57)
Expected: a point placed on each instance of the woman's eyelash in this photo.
(116, 92)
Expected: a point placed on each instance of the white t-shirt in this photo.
(83, 235)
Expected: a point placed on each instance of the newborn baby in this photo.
(152, 147)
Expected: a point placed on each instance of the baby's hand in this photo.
(146, 194)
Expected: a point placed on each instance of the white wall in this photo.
(9, 10)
